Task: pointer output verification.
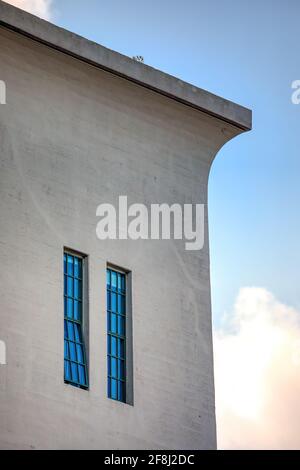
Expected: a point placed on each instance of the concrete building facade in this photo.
(81, 126)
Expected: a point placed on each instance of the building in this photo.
(81, 126)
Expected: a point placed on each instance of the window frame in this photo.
(128, 377)
(84, 315)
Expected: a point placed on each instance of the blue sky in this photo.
(246, 51)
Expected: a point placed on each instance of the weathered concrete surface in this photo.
(124, 66)
(71, 137)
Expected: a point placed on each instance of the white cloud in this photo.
(41, 8)
(257, 374)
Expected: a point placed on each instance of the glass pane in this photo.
(121, 304)
(69, 308)
(72, 351)
(70, 265)
(65, 264)
(108, 301)
(70, 331)
(77, 331)
(65, 285)
(113, 346)
(74, 372)
(66, 350)
(79, 353)
(121, 369)
(121, 349)
(114, 391)
(77, 289)
(70, 292)
(123, 283)
(77, 310)
(67, 371)
(121, 391)
(113, 302)
(77, 267)
(113, 371)
(108, 388)
(108, 365)
(82, 378)
(119, 281)
(113, 323)
(113, 279)
(108, 277)
(121, 325)
(66, 329)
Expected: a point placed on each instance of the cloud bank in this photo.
(41, 8)
(257, 374)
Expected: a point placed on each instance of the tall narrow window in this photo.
(75, 354)
(116, 334)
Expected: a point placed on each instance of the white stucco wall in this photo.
(72, 137)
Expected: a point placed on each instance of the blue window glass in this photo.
(75, 358)
(116, 334)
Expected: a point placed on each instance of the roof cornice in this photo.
(103, 58)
